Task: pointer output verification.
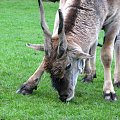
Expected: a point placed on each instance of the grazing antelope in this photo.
(75, 34)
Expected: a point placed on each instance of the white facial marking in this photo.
(72, 96)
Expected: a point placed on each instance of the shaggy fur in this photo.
(52, 64)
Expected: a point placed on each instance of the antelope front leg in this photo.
(32, 82)
(106, 56)
(117, 61)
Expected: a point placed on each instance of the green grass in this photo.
(19, 24)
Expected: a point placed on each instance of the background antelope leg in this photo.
(90, 68)
(117, 61)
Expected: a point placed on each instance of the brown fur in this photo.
(52, 65)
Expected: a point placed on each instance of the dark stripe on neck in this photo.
(71, 16)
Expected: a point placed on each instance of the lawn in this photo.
(19, 24)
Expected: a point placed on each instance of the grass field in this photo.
(19, 24)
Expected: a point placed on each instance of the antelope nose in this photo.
(63, 98)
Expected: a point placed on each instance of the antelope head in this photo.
(62, 62)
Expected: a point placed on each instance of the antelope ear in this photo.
(78, 53)
(83, 55)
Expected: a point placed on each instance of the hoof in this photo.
(110, 96)
(117, 84)
(26, 89)
(94, 75)
(89, 78)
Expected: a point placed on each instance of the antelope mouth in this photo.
(67, 97)
(70, 98)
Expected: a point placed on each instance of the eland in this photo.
(72, 46)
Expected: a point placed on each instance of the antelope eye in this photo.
(68, 66)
